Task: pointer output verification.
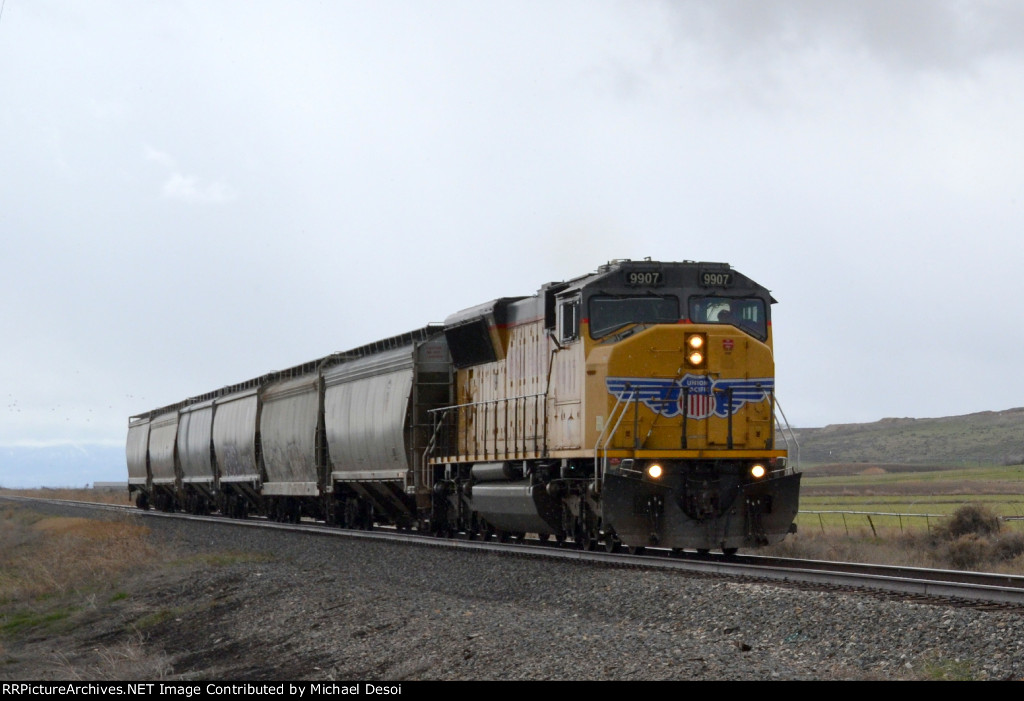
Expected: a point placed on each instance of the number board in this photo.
(715, 278)
(644, 278)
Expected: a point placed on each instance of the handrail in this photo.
(601, 464)
(429, 449)
(486, 401)
(618, 413)
(785, 429)
(513, 441)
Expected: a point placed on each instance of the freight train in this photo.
(631, 407)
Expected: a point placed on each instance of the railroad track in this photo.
(946, 587)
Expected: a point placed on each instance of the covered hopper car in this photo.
(634, 406)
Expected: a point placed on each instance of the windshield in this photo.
(746, 314)
(610, 313)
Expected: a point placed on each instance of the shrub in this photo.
(1008, 546)
(968, 551)
(972, 519)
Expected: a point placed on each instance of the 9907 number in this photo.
(716, 279)
(651, 277)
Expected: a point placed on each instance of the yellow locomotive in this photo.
(634, 406)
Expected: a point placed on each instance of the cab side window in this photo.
(569, 321)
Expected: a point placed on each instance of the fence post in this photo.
(872, 524)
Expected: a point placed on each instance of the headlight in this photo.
(757, 471)
(695, 343)
(654, 471)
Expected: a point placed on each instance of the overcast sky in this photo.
(196, 193)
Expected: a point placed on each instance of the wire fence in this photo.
(874, 519)
(882, 521)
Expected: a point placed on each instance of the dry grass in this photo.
(56, 572)
(46, 556)
(974, 538)
(130, 659)
(102, 496)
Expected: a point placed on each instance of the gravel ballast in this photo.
(232, 602)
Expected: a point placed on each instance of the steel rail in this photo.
(956, 585)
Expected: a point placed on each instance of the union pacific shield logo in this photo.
(698, 395)
(697, 392)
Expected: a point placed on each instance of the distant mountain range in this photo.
(985, 438)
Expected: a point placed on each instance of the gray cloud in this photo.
(910, 35)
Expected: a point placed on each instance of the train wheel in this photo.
(350, 513)
(367, 517)
(472, 529)
(637, 550)
(612, 543)
(585, 540)
(543, 538)
(586, 534)
(703, 551)
(729, 552)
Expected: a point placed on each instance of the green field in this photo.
(904, 497)
(945, 516)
